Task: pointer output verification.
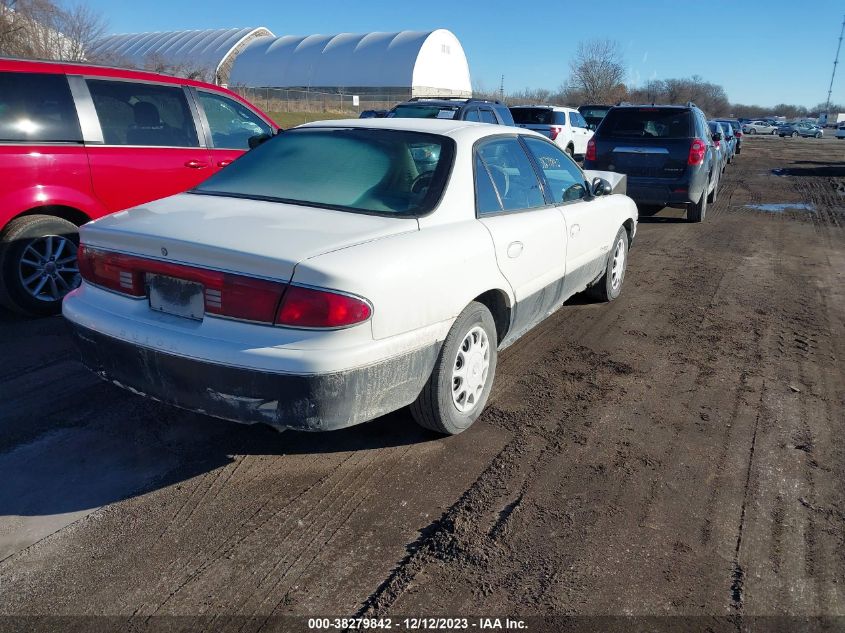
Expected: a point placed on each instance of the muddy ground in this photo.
(679, 452)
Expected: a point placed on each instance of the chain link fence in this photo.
(296, 100)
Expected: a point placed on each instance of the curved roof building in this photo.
(213, 50)
(427, 62)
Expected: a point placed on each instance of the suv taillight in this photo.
(738, 134)
(554, 131)
(697, 151)
(591, 150)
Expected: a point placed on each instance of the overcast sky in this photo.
(761, 52)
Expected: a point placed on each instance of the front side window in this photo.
(512, 173)
(232, 124)
(143, 114)
(37, 107)
(566, 181)
(387, 172)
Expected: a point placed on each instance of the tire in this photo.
(610, 285)
(697, 211)
(436, 408)
(571, 151)
(794, 134)
(33, 244)
(711, 197)
(774, 132)
(818, 135)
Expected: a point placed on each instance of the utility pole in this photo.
(833, 74)
(502, 84)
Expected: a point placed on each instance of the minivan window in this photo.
(487, 116)
(37, 107)
(232, 124)
(647, 123)
(385, 172)
(143, 114)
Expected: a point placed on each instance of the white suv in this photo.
(565, 126)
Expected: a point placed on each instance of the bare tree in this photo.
(597, 71)
(45, 29)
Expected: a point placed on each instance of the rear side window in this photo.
(143, 114)
(647, 123)
(487, 116)
(533, 116)
(472, 115)
(37, 107)
(577, 120)
(512, 173)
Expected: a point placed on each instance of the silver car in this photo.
(759, 127)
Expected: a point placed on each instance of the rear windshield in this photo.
(424, 112)
(647, 123)
(533, 116)
(734, 124)
(385, 172)
(594, 113)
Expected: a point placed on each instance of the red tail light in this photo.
(738, 134)
(226, 294)
(310, 307)
(718, 144)
(591, 150)
(554, 131)
(697, 151)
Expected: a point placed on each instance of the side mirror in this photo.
(601, 187)
(258, 139)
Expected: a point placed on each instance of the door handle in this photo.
(196, 164)
(576, 229)
(223, 163)
(515, 249)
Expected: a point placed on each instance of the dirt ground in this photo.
(679, 452)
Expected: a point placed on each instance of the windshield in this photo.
(424, 112)
(647, 123)
(387, 172)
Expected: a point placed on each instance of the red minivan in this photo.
(80, 141)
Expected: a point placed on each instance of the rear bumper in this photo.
(652, 191)
(319, 402)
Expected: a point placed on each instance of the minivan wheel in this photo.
(38, 264)
(697, 211)
(457, 390)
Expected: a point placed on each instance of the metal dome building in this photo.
(422, 62)
(214, 50)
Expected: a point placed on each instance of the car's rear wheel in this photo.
(38, 264)
(571, 151)
(774, 132)
(697, 211)
(610, 285)
(818, 134)
(794, 134)
(463, 374)
(711, 197)
(752, 131)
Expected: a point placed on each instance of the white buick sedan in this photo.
(345, 269)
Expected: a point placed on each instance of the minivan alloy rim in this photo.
(48, 269)
(617, 269)
(470, 369)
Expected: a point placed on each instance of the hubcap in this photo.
(617, 268)
(470, 370)
(47, 268)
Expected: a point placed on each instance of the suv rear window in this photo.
(37, 107)
(533, 116)
(647, 123)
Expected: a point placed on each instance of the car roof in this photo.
(546, 106)
(444, 127)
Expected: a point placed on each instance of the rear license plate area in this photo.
(176, 296)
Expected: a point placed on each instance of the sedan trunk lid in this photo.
(252, 237)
